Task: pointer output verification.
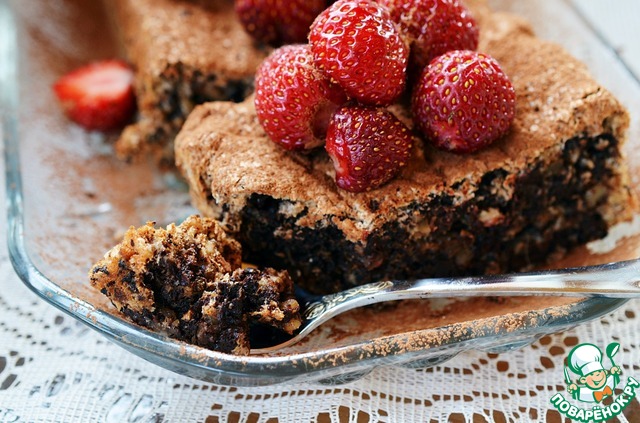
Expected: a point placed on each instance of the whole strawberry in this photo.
(433, 27)
(463, 101)
(98, 96)
(293, 100)
(278, 22)
(368, 146)
(356, 44)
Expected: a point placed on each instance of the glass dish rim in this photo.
(254, 369)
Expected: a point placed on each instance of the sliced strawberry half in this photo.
(98, 96)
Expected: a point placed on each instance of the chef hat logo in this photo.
(585, 359)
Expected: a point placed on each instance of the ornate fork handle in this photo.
(614, 280)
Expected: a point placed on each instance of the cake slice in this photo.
(184, 53)
(557, 180)
(187, 282)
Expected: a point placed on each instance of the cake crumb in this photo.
(187, 281)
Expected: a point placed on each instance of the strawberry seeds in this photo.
(461, 100)
(362, 56)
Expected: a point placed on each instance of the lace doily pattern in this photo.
(55, 369)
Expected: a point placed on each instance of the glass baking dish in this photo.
(70, 200)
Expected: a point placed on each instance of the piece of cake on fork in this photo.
(187, 281)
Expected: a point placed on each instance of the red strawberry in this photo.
(368, 146)
(278, 22)
(355, 43)
(463, 101)
(293, 99)
(433, 27)
(98, 96)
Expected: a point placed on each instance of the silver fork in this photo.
(613, 280)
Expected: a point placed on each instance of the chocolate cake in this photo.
(557, 180)
(184, 53)
(187, 281)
